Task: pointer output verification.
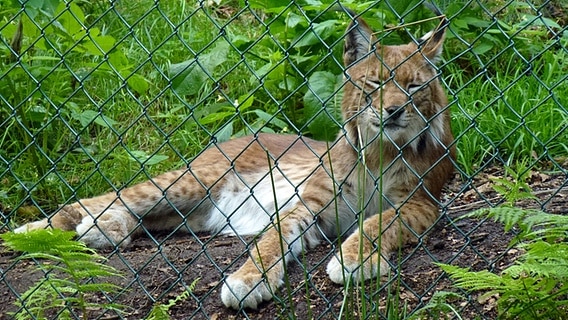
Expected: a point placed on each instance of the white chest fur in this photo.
(248, 207)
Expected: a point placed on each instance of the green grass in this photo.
(68, 266)
(534, 287)
(88, 117)
(68, 133)
(517, 113)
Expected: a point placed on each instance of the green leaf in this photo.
(71, 18)
(190, 76)
(244, 102)
(266, 5)
(241, 41)
(471, 281)
(293, 20)
(459, 23)
(322, 105)
(89, 116)
(263, 71)
(225, 132)
(476, 22)
(97, 44)
(318, 34)
(532, 20)
(268, 118)
(33, 7)
(144, 158)
(482, 47)
(37, 114)
(75, 266)
(36, 241)
(118, 60)
(138, 83)
(216, 117)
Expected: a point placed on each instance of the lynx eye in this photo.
(374, 84)
(413, 87)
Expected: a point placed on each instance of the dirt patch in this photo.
(158, 268)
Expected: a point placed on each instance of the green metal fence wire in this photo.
(96, 96)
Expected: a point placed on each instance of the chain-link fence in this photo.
(96, 96)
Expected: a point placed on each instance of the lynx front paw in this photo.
(237, 293)
(351, 269)
(341, 272)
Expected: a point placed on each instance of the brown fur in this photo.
(390, 143)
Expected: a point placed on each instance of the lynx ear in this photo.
(431, 43)
(358, 40)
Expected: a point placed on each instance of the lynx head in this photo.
(392, 92)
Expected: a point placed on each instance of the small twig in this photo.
(409, 24)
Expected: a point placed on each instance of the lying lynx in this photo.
(296, 191)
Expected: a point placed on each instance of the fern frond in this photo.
(71, 269)
(547, 225)
(545, 251)
(192, 286)
(536, 286)
(161, 311)
(45, 240)
(439, 304)
(542, 259)
(508, 216)
(472, 281)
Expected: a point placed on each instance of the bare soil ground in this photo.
(158, 268)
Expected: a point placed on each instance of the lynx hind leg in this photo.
(67, 218)
(114, 227)
(97, 230)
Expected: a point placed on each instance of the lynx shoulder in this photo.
(388, 164)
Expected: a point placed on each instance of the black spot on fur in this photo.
(421, 144)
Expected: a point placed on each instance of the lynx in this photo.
(388, 166)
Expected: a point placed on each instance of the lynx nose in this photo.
(394, 112)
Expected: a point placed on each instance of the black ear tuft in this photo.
(431, 43)
(358, 40)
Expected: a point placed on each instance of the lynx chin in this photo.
(387, 166)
